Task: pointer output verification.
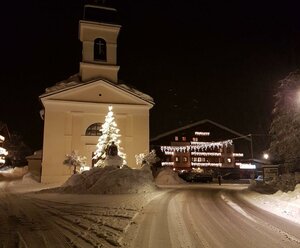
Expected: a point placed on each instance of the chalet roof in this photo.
(199, 123)
(74, 81)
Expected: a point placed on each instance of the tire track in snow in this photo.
(239, 205)
(32, 222)
(91, 223)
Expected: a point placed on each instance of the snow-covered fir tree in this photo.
(285, 126)
(110, 133)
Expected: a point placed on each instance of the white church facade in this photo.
(74, 109)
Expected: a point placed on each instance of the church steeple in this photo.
(98, 32)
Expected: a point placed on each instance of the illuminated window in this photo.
(184, 159)
(99, 49)
(94, 130)
(176, 138)
(183, 138)
(177, 159)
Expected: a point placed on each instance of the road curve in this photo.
(209, 217)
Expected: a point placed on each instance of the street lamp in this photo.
(266, 156)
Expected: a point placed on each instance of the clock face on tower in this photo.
(99, 49)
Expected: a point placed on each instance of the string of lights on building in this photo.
(197, 146)
(203, 154)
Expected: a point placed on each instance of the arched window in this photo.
(94, 130)
(99, 49)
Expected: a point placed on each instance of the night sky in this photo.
(217, 60)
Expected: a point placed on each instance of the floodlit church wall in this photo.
(54, 148)
(91, 31)
(93, 71)
(139, 141)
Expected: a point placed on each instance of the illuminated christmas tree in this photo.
(3, 151)
(110, 134)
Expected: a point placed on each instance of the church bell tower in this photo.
(98, 32)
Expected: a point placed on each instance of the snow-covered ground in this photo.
(286, 205)
(100, 212)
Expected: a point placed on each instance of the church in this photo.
(75, 108)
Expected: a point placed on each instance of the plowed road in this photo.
(209, 217)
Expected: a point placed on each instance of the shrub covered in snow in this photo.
(285, 183)
(147, 161)
(75, 160)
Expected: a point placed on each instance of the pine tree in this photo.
(285, 126)
(110, 133)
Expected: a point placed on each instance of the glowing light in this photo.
(266, 156)
(84, 168)
(169, 153)
(167, 163)
(205, 145)
(202, 133)
(206, 164)
(246, 166)
(196, 146)
(206, 154)
(110, 133)
(238, 155)
(3, 151)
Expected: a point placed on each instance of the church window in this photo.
(99, 49)
(94, 130)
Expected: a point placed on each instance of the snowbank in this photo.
(109, 180)
(14, 173)
(168, 177)
(284, 204)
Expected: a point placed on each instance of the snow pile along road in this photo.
(109, 180)
(168, 177)
(286, 205)
(13, 173)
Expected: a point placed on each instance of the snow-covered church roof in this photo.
(75, 81)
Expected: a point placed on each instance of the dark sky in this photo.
(217, 60)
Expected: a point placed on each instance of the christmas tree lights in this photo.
(3, 151)
(110, 133)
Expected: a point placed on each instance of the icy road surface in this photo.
(209, 216)
(185, 216)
